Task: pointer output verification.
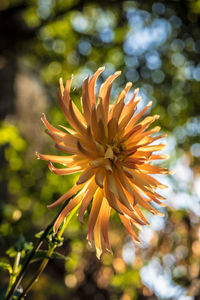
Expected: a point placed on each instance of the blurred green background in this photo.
(157, 47)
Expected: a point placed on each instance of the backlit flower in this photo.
(112, 148)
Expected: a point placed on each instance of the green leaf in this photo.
(39, 234)
(41, 254)
(6, 266)
(20, 246)
(11, 252)
(59, 256)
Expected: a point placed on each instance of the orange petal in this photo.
(130, 214)
(96, 204)
(117, 108)
(105, 215)
(84, 150)
(97, 237)
(99, 177)
(111, 199)
(92, 187)
(66, 139)
(61, 86)
(149, 169)
(129, 228)
(111, 184)
(112, 128)
(64, 108)
(85, 100)
(67, 148)
(100, 112)
(138, 116)
(122, 197)
(144, 203)
(91, 86)
(124, 181)
(86, 175)
(66, 196)
(131, 105)
(56, 159)
(160, 156)
(64, 171)
(70, 206)
(50, 127)
(66, 93)
(140, 214)
(77, 124)
(105, 90)
(149, 180)
(153, 148)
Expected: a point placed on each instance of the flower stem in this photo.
(10, 292)
(15, 270)
(39, 272)
(48, 255)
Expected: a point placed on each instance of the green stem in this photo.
(39, 272)
(10, 292)
(48, 255)
(15, 270)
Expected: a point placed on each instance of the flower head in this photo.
(111, 147)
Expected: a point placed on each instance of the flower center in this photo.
(114, 152)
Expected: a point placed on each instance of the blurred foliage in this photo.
(157, 47)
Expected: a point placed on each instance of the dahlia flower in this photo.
(111, 146)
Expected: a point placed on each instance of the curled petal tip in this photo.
(98, 253)
(172, 172)
(138, 99)
(161, 214)
(89, 242)
(55, 229)
(118, 72)
(49, 206)
(37, 154)
(43, 116)
(109, 250)
(101, 68)
(129, 84)
(150, 103)
(138, 242)
(80, 218)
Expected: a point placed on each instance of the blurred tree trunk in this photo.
(13, 32)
